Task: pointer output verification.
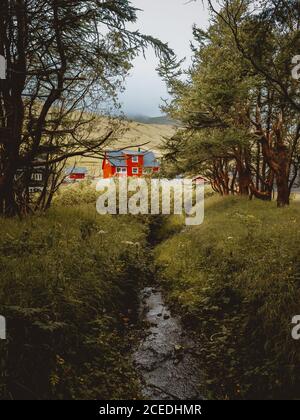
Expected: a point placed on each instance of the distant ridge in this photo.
(163, 120)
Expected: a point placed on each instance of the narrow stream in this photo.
(164, 358)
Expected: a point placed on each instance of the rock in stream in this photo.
(167, 368)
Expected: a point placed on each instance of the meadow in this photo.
(69, 287)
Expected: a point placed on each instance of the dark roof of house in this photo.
(76, 170)
(118, 158)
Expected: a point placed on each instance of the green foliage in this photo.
(68, 288)
(72, 195)
(74, 57)
(214, 102)
(235, 280)
(237, 105)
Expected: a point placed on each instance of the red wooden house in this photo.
(76, 174)
(129, 163)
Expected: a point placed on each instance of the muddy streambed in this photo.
(164, 357)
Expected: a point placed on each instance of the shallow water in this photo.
(164, 358)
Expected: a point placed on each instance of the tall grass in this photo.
(235, 280)
(68, 288)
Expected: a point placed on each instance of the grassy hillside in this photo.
(235, 281)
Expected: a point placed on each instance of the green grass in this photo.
(68, 288)
(235, 280)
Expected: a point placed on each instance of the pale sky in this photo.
(171, 21)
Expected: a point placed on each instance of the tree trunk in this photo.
(244, 178)
(278, 159)
(243, 183)
(283, 190)
(8, 205)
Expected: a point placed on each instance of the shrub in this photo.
(76, 194)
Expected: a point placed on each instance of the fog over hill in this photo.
(161, 120)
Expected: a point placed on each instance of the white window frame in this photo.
(38, 177)
(135, 171)
(135, 159)
(121, 170)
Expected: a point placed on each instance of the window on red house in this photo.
(121, 170)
